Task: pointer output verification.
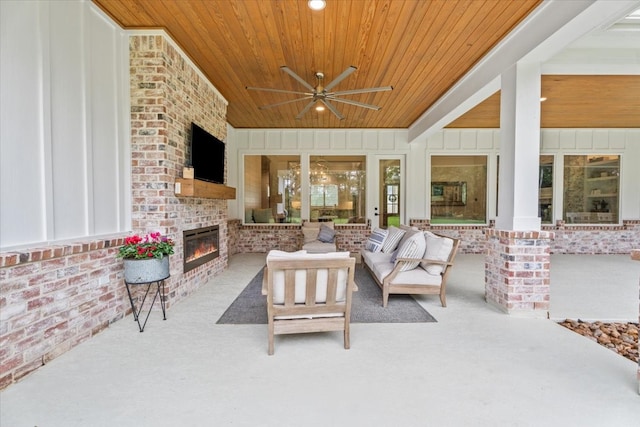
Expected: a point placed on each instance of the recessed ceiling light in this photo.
(320, 108)
(316, 4)
(543, 98)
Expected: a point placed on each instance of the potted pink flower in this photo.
(146, 258)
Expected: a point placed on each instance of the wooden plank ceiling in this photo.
(419, 47)
(582, 101)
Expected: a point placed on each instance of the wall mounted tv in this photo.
(207, 155)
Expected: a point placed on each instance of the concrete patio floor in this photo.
(475, 367)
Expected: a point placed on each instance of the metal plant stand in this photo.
(136, 312)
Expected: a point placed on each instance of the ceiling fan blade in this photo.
(366, 90)
(278, 90)
(356, 103)
(284, 102)
(305, 109)
(297, 77)
(332, 109)
(341, 77)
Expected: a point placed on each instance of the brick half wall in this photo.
(263, 238)
(54, 298)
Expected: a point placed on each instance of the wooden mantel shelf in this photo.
(207, 190)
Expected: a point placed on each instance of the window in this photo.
(390, 203)
(591, 189)
(337, 188)
(393, 197)
(271, 189)
(324, 195)
(458, 189)
(545, 190)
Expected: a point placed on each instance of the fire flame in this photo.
(204, 248)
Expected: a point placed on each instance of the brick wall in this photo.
(167, 94)
(517, 272)
(55, 297)
(263, 238)
(574, 239)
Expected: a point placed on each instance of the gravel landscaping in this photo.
(619, 337)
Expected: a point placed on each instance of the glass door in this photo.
(388, 210)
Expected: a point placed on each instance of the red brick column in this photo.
(517, 271)
(635, 255)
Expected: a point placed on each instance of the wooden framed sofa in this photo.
(405, 260)
(308, 293)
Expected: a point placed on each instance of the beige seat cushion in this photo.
(301, 277)
(318, 247)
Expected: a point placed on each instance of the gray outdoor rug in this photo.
(251, 306)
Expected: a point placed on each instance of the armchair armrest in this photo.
(401, 261)
(265, 275)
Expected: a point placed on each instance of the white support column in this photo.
(519, 148)
(517, 262)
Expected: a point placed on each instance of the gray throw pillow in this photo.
(376, 240)
(326, 235)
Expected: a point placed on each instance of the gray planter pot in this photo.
(146, 270)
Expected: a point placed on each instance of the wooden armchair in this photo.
(308, 293)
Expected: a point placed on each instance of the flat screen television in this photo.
(207, 155)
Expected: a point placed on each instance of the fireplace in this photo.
(200, 246)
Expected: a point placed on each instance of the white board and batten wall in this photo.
(558, 142)
(64, 120)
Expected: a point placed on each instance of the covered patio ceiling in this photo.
(421, 48)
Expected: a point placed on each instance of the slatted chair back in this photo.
(309, 294)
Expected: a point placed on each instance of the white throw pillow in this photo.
(376, 240)
(438, 249)
(413, 247)
(393, 238)
(310, 234)
(408, 232)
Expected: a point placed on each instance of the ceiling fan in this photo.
(322, 94)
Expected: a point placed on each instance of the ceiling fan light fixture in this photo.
(316, 4)
(322, 96)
